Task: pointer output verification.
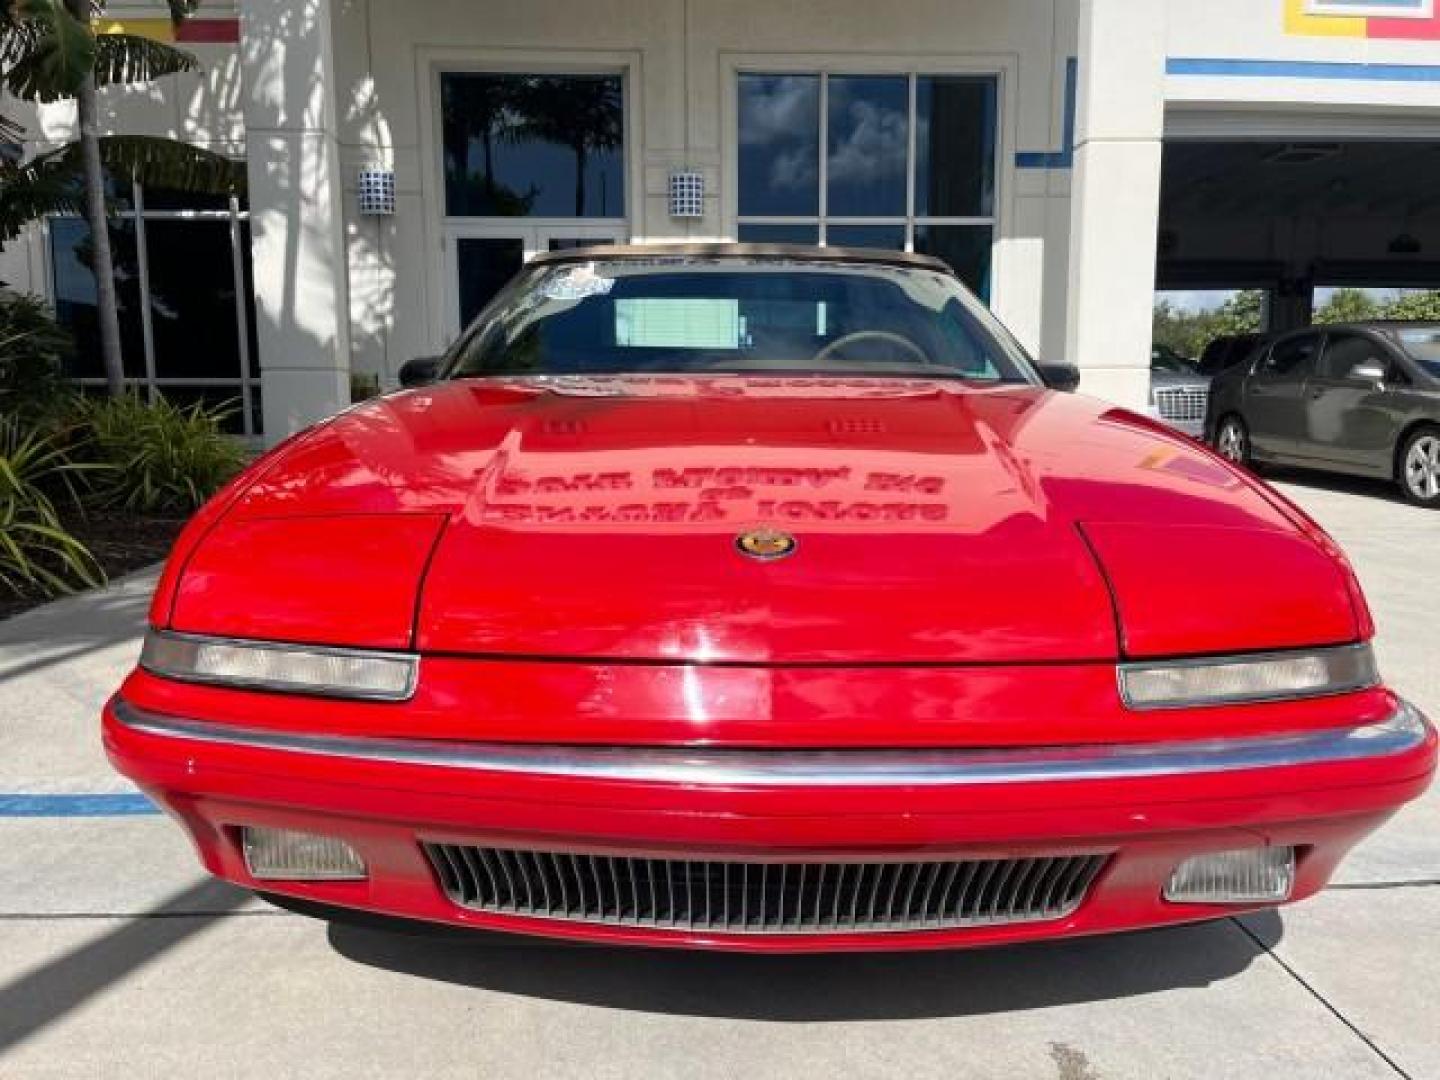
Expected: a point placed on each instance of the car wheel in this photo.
(1232, 440)
(1419, 467)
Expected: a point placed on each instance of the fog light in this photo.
(298, 856)
(1254, 875)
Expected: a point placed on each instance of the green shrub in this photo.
(37, 554)
(163, 458)
(33, 351)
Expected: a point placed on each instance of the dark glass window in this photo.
(247, 267)
(903, 157)
(161, 198)
(753, 233)
(1343, 352)
(486, 264)
(192, 299)
(965, 247)
(891, 237)
(570, 243)
(1292, 356)
(533, 145)
(182, 326)
(955, 146)
(779, 145)
(868, 145)
(72, 257)
(1423, 344)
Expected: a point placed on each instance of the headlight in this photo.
(268, 665)
(1230, 680)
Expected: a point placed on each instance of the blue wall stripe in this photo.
(131, 804)
(1063, 158)
(1302, 69)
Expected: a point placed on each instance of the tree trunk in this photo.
(107, 307)
(580, 162)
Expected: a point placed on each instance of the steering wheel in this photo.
(879, 335)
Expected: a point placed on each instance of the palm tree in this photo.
(582, 113)
(474, 104)
(49, 52)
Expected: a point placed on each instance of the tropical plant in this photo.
(1188, 332)
(33, 350)
(161, 458)
(1415, 307)
(50, 50)
(1348, 306)
(37, 553)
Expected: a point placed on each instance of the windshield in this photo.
(1423, 343)
(1163, 358)
(685, 314)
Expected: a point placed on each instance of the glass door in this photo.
(568, 236)
(480, 259)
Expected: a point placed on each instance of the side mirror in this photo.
(1062, 377)
(1372, 372)
(420, 371)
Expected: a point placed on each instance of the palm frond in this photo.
(11, 131)
(47, 53)
(51, 183)
(127, 58)
(44, 185)
(18, 34)
(167, 163)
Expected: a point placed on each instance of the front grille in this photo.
(763, 898)
(1182, 403)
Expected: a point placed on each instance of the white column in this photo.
(296, 214)
(1115, 205)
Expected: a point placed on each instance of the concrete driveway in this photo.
(119, 958)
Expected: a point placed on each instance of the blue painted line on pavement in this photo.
(122, 804)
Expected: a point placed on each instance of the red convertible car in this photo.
(767, 599)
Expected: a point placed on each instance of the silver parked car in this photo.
(1361, 399)
(1178, 392)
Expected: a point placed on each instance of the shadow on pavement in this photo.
(817, 988)
(42, 996)
(1383, 490)
(76, 626)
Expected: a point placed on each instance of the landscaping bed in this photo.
(120, 542)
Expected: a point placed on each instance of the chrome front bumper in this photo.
(1404, 730)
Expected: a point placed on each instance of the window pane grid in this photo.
(136, 216)
(958, 116)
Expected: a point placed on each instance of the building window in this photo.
(548, 146)
(532, 163)
(187, 312)
(905, 161)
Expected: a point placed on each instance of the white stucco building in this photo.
(1024, 140)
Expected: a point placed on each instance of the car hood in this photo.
(935, 522)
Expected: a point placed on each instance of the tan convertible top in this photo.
(872, 256)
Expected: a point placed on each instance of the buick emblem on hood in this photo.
(765, 544)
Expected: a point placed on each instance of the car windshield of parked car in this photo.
(738, 316)
(1423, 343)
(1166, 359)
